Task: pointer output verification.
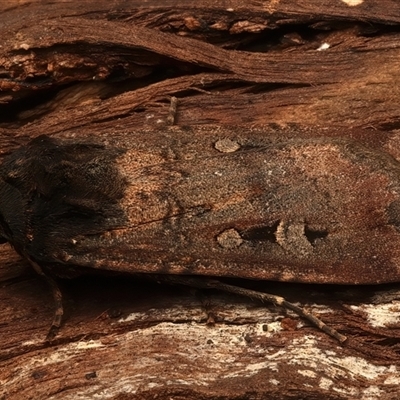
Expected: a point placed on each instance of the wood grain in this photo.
(108, 71)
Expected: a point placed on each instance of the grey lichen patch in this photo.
(229, 239)
(227, 145)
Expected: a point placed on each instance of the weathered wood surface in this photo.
(96, 69)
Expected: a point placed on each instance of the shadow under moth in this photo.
(193, 205)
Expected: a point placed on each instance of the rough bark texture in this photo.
(74, 70)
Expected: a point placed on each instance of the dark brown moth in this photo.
(298, 207)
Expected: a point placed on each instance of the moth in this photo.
(193, 205)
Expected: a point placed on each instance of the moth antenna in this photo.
(58, 300)
(253, 294)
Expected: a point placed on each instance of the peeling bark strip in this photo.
(287, 208)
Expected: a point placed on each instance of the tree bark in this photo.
(74, 70)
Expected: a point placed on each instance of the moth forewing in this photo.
(310, 210)
(294, 206)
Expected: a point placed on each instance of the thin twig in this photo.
(199, 282)
(172, 111)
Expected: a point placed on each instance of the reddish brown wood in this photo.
(72, 70)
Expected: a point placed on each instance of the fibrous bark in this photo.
(98, 71)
